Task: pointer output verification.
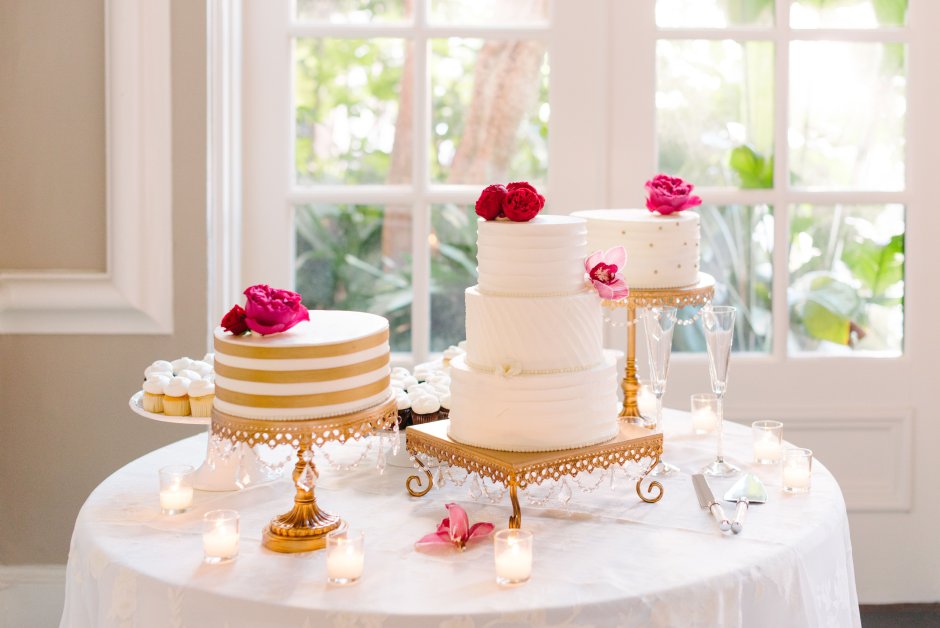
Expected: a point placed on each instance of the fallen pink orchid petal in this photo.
(456, 530)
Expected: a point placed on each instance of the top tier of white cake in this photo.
(662, 251)
(544, 256)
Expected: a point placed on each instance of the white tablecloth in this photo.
(606, 559)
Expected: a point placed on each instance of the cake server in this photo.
(706, 499)
(748, 490)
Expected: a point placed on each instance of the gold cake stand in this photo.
(306, 525)
(516, 470)
(698, 294)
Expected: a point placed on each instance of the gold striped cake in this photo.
(333, 364)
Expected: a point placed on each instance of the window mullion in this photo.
(781, 274)
(421, 211)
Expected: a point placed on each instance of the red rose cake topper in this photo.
(519, 202)
(668, 195)
(267, 311)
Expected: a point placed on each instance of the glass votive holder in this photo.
(797, 469)
(646, 399)
(768, 441)
(220, 536)
(513, 554)
(176, 488)
(344, 556)
(704, 413)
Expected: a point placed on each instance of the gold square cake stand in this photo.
(516, 470)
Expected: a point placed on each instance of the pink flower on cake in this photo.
(490, 204)
(456, 530)
(603, 269)
(271, 311)
(668, 195)
(234, 321)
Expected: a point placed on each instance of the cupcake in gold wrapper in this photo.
(176, 397)
(152, 400)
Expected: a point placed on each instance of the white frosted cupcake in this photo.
(201, 394)
(160, 367)
(209, 358)
(189, 374)
(152, 400)
(176, 397)
(202, 368)
(181, 364)
(425, 409)
(450, 353)
(445, 406)
(404, 409)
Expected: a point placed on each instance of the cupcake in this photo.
(152, 400)
(450, 353)
(201, 393)
(176, 397)
(445, 406)
(209, 358)
(160, 367)
(424, 409)
(202, 368)
(181, 364)
(404, 409)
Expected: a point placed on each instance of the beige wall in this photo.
(52, 150)
(64, 421)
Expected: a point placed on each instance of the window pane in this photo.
(847, 115)
(356, 257)
(346, 99)
(715, 107)
(847, 13)
(453, 243)
(503, 12)
(489, 111)
(737, 250)
(846, 278)
(354, 11)
(714, 13)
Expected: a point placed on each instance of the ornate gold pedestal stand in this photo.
(695, 295)
(516, 470)
(305, 526)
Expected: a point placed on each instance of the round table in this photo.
(604, 559)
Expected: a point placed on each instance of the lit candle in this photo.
(797, 469)
(176, 498)
(344, 557)
(220, 535)
(767, 450)
(795, 478)
(513, 556)
(704, 420)
(646, 400)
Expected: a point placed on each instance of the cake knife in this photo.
(708, 502)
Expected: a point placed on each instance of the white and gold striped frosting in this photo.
(335, 363)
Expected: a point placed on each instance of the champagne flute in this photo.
(659, 323)
(718, 322)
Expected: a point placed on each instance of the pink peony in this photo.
(234, 321)
(271, 311)
(456, 530)
(490, 204)
(669, 194)
(604, 271)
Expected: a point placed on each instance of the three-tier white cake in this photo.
(535, 376)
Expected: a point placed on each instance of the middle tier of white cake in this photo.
(528, 413)
(537, 334)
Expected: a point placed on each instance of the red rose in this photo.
(670, 194)
(490, 204)
(522, 204)
(271, 311)
(528, 186)
(234, 321)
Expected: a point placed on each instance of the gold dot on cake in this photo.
(623, 232)
(655, 272)
(679, 266)
(685, 244)
(660, 227)
(651, 245)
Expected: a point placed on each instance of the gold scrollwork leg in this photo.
(305, 526)
(652, 485)
(416, 480)
(515, 521)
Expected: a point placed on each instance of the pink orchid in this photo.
(604, 272)
(456, 530)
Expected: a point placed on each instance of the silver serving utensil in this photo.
(748, 490)
(706, 499)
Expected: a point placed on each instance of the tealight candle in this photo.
(220, 536)
(797, 470)
(646, 399)
(704, 413)
(513, 556)
(768, 441)
(176, 489)
(344, 556)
